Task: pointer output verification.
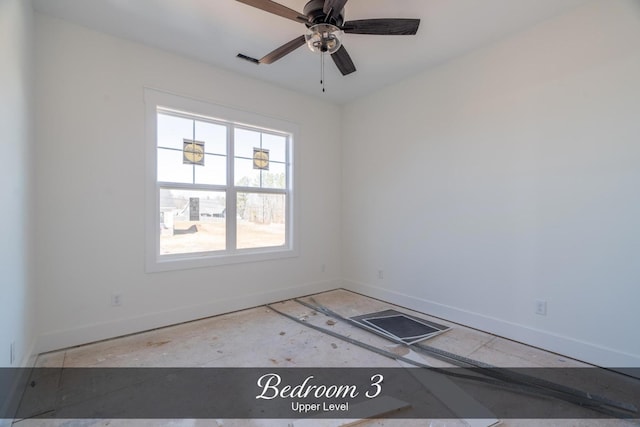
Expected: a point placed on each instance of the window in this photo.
(219, 184)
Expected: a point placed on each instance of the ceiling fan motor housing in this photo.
(314, 11)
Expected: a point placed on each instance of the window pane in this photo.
(275, 177)
(245, 174)
(214, 170)
(277, 146)
(192, 221)
(173, 130)
(171, 168)
(245, 141)
(214, 137)
(261, 220)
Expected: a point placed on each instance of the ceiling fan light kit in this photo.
(326, 26)
(324, 38)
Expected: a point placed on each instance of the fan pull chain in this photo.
(322, 70)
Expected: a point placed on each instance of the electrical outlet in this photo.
(541, 307)
(12, 353)
(323, 268)
(116, 300)
(380, 274)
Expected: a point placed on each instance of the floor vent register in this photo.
(400, 326)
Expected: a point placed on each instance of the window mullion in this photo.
(193, 138)
(261, 190)
(183, 186)
(289, 204)
(231, 217)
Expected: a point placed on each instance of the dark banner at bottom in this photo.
(296, 393)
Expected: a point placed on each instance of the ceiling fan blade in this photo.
(332, 8)
(283, 50)
(276, 9)
(343, 61)
(384, 26)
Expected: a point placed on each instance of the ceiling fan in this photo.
(325, 26)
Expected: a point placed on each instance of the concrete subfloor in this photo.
(259, 337)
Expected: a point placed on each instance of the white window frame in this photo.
(155, 262)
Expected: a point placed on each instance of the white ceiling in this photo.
(215, 31)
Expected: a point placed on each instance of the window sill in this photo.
(190, 261)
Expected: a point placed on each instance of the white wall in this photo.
(91, 190)
(16, 141)
(502, 177)
(509, 175)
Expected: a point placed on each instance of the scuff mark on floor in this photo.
(157, 344)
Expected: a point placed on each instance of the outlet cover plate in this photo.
(541, 307)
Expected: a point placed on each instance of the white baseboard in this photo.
(576, 349)
(570, 347)
(100, 331)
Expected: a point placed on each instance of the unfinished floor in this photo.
(259, 337)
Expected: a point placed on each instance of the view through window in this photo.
(222, 188)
